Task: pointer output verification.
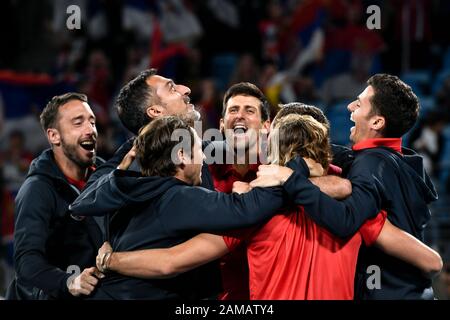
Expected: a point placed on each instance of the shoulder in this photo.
(36, 192)
(189, 192)
(37, 185)
(373, 157)
(373, 163)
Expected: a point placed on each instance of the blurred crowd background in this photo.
(319, 52)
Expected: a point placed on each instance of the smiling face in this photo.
(367, 124)
(174, 99)
(75, 133)
(243, 121)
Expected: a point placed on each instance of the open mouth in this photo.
(240, 129)
(88, 145)
(351, 117)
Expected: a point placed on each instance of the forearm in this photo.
(404, 246)
(151, 263)
(333, 186)
(163, 263)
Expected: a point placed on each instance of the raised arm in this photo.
(402, 245)
(163, 263)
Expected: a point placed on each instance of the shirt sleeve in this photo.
(200, 210)
(231, 242)
(234, 238)
(371, 229)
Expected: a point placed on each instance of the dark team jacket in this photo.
(209, 283)
(159, 212)
(47, 240)
(381, 179)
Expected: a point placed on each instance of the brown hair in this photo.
(155, 144)
(300, 135)
(49, 115)
(301, 109)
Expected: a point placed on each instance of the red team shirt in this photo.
(291, 257)
(233, 266)
(287, 255)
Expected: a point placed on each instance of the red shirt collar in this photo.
(393, 143)
(79, 184)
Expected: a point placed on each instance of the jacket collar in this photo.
(393, 143)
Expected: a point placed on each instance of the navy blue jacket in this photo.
(46, 239)
(381, 179)
(159, 212)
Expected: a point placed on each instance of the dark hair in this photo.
(247, 89)
(396, 102)
(154, 145)
(49, 115)
(134, 99)
(302, 109)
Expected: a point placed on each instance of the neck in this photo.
(181, 176)
(68, 167)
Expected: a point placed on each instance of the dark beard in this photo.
(70, 151)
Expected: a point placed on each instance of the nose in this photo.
(90, 129)
(240, 113)
(351, 106)
(185, 91)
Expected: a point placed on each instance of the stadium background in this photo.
(319, 52)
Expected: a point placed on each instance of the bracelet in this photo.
(105, 261)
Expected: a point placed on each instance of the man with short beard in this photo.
(49, 243)
(147, 97)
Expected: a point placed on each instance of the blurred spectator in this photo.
(14, 163)
(413, 32)
(347, 86)
(428, 140)
(247, 70)
(178, 24)
(97, 85)
(210, 104)
(270, 29)
(16, 160)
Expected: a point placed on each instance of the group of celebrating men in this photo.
(160, 220)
